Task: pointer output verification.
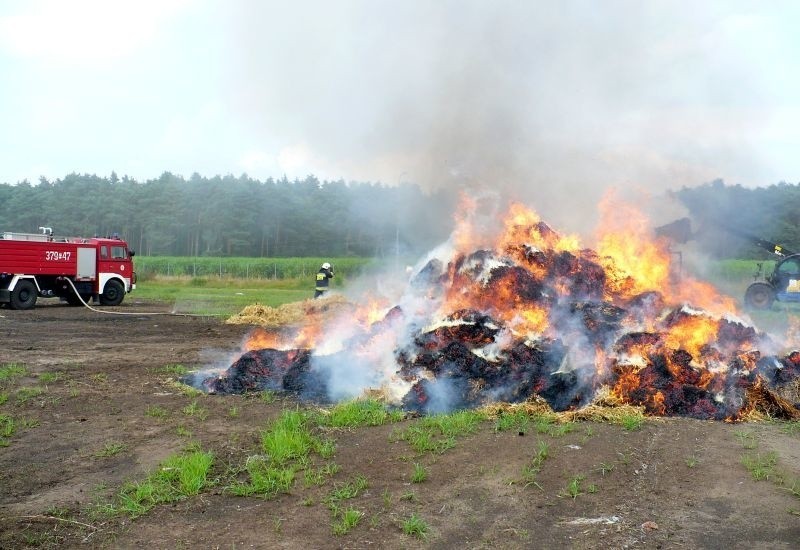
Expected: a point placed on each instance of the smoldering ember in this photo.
(535, 314)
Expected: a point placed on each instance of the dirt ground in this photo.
(674, 483)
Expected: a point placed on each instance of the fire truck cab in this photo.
(74, 269)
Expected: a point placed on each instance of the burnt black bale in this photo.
(428, 276)
(601, 320)
(517, 283)
(306, 383)
(646, 305)
(441, 395)
(635, 339)
(534, 369)
(688, 374)
(454, 359)
(779, 371)
(688, 400)
(582, 277)
(532, 256)
(732, 336)
(473, 265)
(257, 370)
(476, 329)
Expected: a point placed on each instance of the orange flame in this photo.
(691, 333)
(522, 226)
(372, 311)
(633, 264)
(262, 339)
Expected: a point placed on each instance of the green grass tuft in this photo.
(529, 471)
(631, 422)
(761, 467)
(266, 480)
(420, 473)
(288, 437)
(348, 520)
(10, 371)
(516, 420)
(574, 486)
(26, 394)
(195, 410)
(178, 477)
(415, 526)
(360, 412)
(746, 439)
(110, 449)
(49, 377)
(345, 491)
(155, 411)
(7, 429)
(438, 433)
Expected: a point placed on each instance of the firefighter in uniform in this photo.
(324, 275)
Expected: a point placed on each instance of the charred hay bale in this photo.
(512, 284)
(439, 396)
(600, 320)
(456, 359)
(431, 274)
(732, 335)
(580, 276)
(647, 305)
(779, 371)
(305, 382)
(751, 360)
(529, 255)
(256, 370)
(636, 342)
(466, 326)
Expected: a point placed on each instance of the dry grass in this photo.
(605, 408)
(765, 403)
(535, 406)
(291, 313)
(790, 391)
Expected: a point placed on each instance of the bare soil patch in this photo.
(100, 384)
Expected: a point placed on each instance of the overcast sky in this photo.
(548, 97)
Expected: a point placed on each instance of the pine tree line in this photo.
(233, 216)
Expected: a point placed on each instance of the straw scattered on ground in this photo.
(289, 314)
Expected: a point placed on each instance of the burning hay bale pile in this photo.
(537, 316)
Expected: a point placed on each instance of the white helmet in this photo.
(326, 265)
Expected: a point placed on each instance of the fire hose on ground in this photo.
(75, 290)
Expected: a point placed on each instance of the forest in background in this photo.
(244, 217)
(233, 216)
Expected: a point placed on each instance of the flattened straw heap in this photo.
(535, 406)
(288, 314)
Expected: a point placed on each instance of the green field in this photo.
(245, 268)
(223, 286)
(226, 296)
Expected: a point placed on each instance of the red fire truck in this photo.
(39, 264)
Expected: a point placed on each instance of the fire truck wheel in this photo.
(759, 296)
(23, 295)
(113, 293)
